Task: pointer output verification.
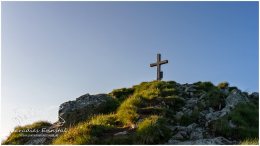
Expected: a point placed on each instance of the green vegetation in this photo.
(205, 86)
(19, 136)
(89, 131)
(252, 141)
(223, 85)
(122, 94)
(215, 99)
(109, 106)
(127, 112)
(230, 89)
(144, 112)
(188, 119)
(245, 119)
(152, 130)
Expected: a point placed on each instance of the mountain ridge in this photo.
(156, 112)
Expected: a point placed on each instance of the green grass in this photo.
(205, 86)
(154, 89)
(151, 106)
(106, 120)
(127, 112)
(18, 137)
(88, 132)
(152, 130)
(215, 98)
(122, 94)
(251, 141)
(188, 119)
(245, 117)
(110, 105)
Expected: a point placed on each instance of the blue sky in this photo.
(53, 52)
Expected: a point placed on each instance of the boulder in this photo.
(72, 112)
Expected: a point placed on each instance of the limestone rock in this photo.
(212, 141)
(196, 134)
(234, 98)
(80, 109)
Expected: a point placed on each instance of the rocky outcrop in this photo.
(209, 141)
(72, 112)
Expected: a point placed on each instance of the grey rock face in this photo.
(234, 98)
(231, 101)
(192, 132)
(84, 106)
(212, 141)
(254, 95)
(196, 134)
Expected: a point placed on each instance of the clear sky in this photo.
(53, 52)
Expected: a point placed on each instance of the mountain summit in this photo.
(157, 112)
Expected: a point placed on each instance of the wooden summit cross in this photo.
(158, 64)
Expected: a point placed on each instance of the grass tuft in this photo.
(18, 136)
(152, 130)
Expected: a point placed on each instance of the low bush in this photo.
(223, 85)
(205, 86)
(215, 99)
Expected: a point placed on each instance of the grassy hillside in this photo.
(144, 113)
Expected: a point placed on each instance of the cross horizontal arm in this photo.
(164, 62)
(153, 64)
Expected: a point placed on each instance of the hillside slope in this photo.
(156, 112)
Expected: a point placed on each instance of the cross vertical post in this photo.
(158, 65)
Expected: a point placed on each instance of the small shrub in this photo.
(18, 137)
(215, 99)
(152, 130)
(127, 112)
(205, 86)
(223, 85)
